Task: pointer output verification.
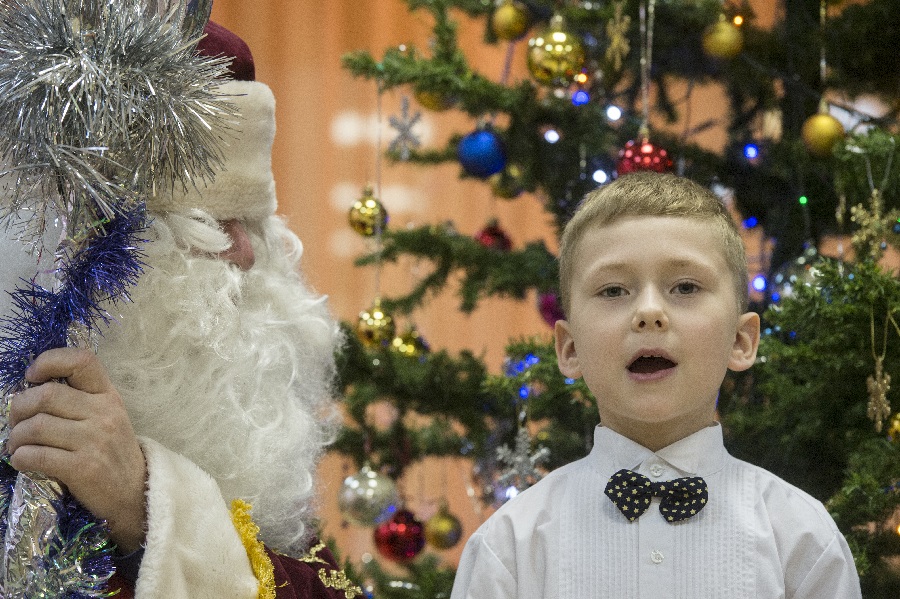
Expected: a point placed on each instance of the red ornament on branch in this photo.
(643, 155)
(494, 237)
(401, 538)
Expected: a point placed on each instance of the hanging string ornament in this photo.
(893, 430)
(482, 153)
(435, 101)
(641, 154)
(879, 383)
(550, 307)
(510, 20)
(509, 183)
(799, 272)
(406, 140)
(873, 224)
(411, 344)
(375, 328)
(368, 216)
(493, 237)
(723, 39)
(401, 538)
(368, 498)
(521, 464)
(821, 132)
(101, 106)
(617, 32)
(443, 530)
(555, 55)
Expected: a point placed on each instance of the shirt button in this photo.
(656, 470)
(656, 557)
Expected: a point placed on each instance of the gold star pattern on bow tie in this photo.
(681, 498)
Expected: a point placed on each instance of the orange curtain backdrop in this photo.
(326, 151)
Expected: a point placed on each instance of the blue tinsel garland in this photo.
(79, 558)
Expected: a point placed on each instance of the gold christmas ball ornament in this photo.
(435, 101)
(410, 344)
(443, 530)
(375, 327)
(893, 429)
(555, 55)
(508, 183)
(367, 215)
(820, 133)
(723, 39)
(510, 20)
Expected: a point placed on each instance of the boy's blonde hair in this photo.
(652, 194)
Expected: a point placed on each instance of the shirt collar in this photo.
(700, 454)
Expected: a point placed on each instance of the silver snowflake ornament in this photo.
(406, 140)
(520, 464)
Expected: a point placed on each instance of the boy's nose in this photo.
(650, 315)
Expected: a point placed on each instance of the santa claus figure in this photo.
(195, 429)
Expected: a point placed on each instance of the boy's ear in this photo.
(566, 355)
(746, 342)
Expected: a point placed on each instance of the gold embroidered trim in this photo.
(312, 558)
(332, 579)
(256, 551)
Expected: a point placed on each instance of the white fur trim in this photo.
(244, 186)
(193, 550)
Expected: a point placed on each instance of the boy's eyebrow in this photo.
(621, 265)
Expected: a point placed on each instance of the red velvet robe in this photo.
(314, 576)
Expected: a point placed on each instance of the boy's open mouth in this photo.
(650, 364)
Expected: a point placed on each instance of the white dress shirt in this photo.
(758, 537)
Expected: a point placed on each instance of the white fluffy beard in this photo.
(233, 370)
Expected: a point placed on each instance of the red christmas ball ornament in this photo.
(494, 237)
(401, 538)
(643, 155)
(550, 308)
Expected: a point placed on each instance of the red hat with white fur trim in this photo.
(244, 186)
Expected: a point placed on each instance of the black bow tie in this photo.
(681, 498)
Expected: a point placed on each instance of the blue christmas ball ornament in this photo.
(481, 153)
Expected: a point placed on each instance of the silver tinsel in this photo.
(102, 102)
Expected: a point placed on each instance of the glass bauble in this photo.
(555, 55)
(494, 237)
(435, 101)
(643, 155)
(411, 344)
(723, 39)
(367, 215)
(550, 308)
(820, 133)
(375, 328)
(510, 20)
(800, 271)
(509, 183)
(368, 498)
(481, 153)
(443, 530)
(401, 538)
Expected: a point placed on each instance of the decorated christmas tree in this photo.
(808, 166)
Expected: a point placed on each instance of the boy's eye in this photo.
(686, 288)
(612, 291)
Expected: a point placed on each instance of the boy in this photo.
(653, 283)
